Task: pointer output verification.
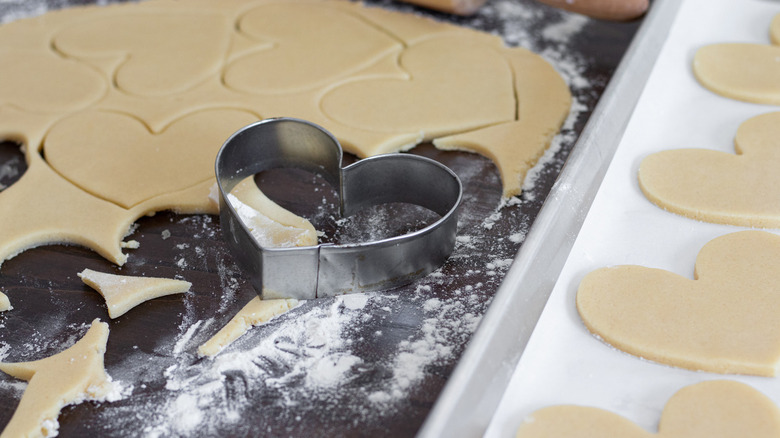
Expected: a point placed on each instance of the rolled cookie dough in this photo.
(123, 292)
(142, 82)
(711, 409)
(69, 377)
(723, 321)
(714, 186)
(742, 71)
(254, 313)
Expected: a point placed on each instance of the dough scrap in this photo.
(127, 106)
(123, 292)
(742, 71)
(723, 321)
(5, 303)
(69, 377)
(710, 409)
(254, 313)
(270, 224)
(713, 186)
(513, 146)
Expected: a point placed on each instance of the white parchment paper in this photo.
(564, 363)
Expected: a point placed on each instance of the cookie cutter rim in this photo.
(328, 269)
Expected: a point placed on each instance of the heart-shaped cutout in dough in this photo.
(115, 157)
(333, 45)
(433, 101)
(155, 54)
(42, 82)
(724, 321)
(711, 409)
(713, 186)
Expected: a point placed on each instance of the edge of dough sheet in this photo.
(468, 401)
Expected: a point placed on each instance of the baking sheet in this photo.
(563, 363)
(378, 361)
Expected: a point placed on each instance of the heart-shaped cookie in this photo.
(154, 53)
(742, 71)
(334, 45)
(724, 321)
(43, 82)
(713, 186)
(433, 100)
(711, 409)
(115, 157)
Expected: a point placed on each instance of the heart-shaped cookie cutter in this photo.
(327, 269)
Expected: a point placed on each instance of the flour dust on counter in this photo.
(368, 364)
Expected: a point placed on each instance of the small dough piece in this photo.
(714, 186)
(269, 223)
(123, 292)
(742, 71)
(723, 321)
(69, 377)
(5, 303)
(254, 313)
(710, 409)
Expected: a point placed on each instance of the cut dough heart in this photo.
(68, 377)
(712, 409)
(43, 82)
(116, 158)
(297, 61)
(749, 72)
(724, 321)
(743, 71)
(434, 100)
(154, 54)
(742, 189)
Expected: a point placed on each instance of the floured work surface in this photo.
(353, 365)
(563, 363)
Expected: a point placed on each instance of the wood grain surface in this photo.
(52, 306)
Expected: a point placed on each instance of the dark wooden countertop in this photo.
(149, 344)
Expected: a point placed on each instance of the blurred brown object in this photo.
(613, 10)
(459, 7)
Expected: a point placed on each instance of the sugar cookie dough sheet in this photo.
(563, 363)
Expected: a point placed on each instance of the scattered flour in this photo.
(318, 354)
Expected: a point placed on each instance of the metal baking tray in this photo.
(474, 390)
(597, 216)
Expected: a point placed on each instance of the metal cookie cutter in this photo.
(327, 269)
